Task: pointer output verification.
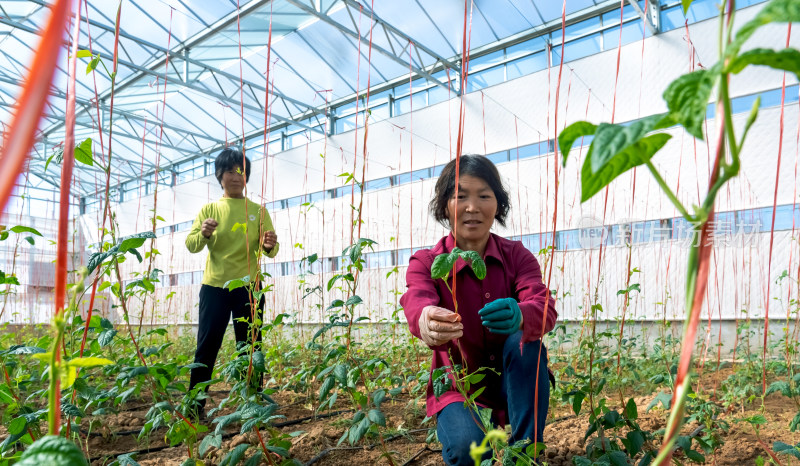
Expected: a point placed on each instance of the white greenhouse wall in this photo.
(508, 115)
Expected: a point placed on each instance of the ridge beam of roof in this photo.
(324, 17)
(651, 18)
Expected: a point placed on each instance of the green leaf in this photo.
(377, 417)
(106, 337)
(617, 458)
(664, 398)
(70, 409)
(58, 154)
(756, 420)
(89, 362)
(474, 395)
(17, 425)
(570, 134)
(208, 441)
(687, 99)
(786, 449)
(332, 280)
(442, 264)
(25, 350)
(634, 287)
(335, 303)
(83, 152)
(135, 253)
(577, 402)
(134, 241)
(83, 53)
(441, 382)
(93, 64)
(326, 387)
(52, 450)
(786, 60)
(776, 11)
(259, 362)
(127, 243)
(358, 431)
(631, 412)
(695, 456)
(616, 149)
(476, 262)
(237, 283)
(23, 229)
(97, 259)
(224, 421)
(795, 424)
(254, 460)
(279, 450)
(235, 456)
(634, 443)
(68, 376)
(378, 397)
(611, 419)
(9, 280)
(340, 372)
(126, 460)
(780, 386)
(353, 300)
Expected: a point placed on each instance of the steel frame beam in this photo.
(388, 29)
(117, 111)
(143, 71)
(391, 30)
(180, 52)
(653, 16)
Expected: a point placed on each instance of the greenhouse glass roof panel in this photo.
(315, 52)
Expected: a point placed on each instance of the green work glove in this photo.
(501, 316)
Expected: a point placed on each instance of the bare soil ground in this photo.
(318, 439)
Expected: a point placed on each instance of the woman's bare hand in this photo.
(268, 240)
(438, 325)
(208, 227)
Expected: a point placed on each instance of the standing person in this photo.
(230, 256)
(499, 323)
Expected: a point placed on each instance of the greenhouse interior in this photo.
(406, 232)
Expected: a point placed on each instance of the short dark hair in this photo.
(472, 165)
(228, 159)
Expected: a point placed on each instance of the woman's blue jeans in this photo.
(457, 426)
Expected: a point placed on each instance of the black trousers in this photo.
(216, 307)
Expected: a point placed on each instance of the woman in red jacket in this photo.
(501, 319)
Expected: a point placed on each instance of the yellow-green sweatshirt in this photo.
(227, 253)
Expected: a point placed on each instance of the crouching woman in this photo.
(501, 319)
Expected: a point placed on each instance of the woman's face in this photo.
(476, 206)
(233, 182)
